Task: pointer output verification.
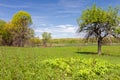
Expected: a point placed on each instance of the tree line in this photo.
(17, 32)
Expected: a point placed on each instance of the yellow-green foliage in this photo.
(82, 40)
(17, 32)
(59, 63)
(2, 23)
(21, 18)
(78, 68)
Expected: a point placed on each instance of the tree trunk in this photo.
(99, 45)
(21, 44)
(45, 44)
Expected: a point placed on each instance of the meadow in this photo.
(59, 63)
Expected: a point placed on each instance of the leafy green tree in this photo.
(35, 41)
(7, 34)
(2, 24)
(99, 23)
(16, 32)
(45, 38)
(21, 22)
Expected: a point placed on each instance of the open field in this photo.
(26, 63)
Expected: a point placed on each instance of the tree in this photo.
(7, 34)
(2, 24)
(45, 38)
(35, 41)
(21, 22)
(99, 23)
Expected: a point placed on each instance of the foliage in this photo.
(99, 23)
(82, 41)
(35, 41)
(21, 21)
(46, 37)
(2, 24)
(8, 34)
(77, 69)
(67, 40)
(18, 31)
(26, 63)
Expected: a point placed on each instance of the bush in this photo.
(79, 69)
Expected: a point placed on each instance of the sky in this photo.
(59, 17)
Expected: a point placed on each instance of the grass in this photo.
(110, 53)
(15, 61)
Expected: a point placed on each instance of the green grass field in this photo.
(26, 63)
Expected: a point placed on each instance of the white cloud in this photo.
(66, 28)
(69, 11)
(44, 24)
(39, 17)
(59, 28)
(72, 3)
(71, 6)
(58, 31)
(41, 30)
(14, 6)
(39, 20)
(61, 16)
(62, 26)
(70, 29)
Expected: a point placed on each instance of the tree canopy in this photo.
(99, 23)
(17, 31)
(22, 18)
(46, 37)
(21, 22)
(2, 23)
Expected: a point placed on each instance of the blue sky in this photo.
(55, 16)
